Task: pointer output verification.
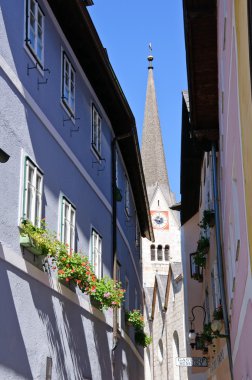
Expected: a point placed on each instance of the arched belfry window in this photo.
(152, 252)
(159, 252)
(167, 252)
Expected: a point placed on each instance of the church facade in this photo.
(161, 260)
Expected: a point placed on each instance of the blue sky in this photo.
(125, 29)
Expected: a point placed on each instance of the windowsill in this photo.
(68, 111)
(96, 153)
(34, 59)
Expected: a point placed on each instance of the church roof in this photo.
(152, 145)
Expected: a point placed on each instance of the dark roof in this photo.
(190, 167)
(200, 22)
(79, 29)
(200, 112)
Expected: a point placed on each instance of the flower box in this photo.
(26, 242)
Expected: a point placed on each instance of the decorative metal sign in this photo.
(192, 362)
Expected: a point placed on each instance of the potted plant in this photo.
(200, 259)
(218, 313)
(203, 244)
(208, 219)
(106, 292)
(136, 319)
(39, 240)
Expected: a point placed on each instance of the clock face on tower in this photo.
(160, 220)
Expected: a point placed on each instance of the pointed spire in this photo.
(152, 145)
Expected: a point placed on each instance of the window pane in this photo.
(152, 252)
(167, 249)
(159, 253)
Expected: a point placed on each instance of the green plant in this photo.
(107, 292)
(135, 319)
(142, 339)
(198, 277)
(41, 238)
(207, 220)
(207, 335)
(218, 313)
(74, 266)
(200, 259)
(203, 244)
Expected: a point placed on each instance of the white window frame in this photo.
(68, 84)
(96, 131)
(96, 252)
(30, 189)
(38, 27)
(68, 219)
(126, 297)
(127, 197)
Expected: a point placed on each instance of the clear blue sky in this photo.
(125, 29)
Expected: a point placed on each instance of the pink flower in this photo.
(106, 295)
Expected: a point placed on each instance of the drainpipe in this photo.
(114, 236)
(220, 258)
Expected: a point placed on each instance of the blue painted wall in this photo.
(25, 131)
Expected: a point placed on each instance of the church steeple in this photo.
(152, 152)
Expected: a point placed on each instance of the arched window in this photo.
(166, 252)
(152, 252)
(159, 253)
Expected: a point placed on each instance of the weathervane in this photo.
(150, 57)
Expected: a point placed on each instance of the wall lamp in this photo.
(195, 338)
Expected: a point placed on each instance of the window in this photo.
(152, 251)
(96, 254)
(167, 252)
(96, 131)
(68, 216)
(35, 30)
(32, 197)
(127, 197)
(159, 253)
(68, 84)
(126, 297)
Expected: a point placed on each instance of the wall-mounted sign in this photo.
(192, 362)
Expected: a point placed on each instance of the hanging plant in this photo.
(135, 319)
(208, 219)
(203, 244)
(218, 313)
(142, 339)
(200, 259)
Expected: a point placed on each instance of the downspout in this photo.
(114, 237)
(220, 258)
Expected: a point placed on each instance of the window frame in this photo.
(28, 163)
(152, 250)
(96, 254)
(34, 50)
(96, 143)
(67, 103)
(70, 239)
